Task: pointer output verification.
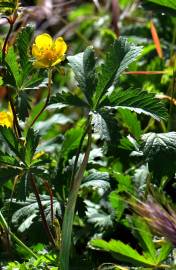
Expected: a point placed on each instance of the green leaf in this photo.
(129, 120)
(32, 140)
(96, 180)
(106, 126)
(11, 60)
(145, 237)
(122, 252)
(65, 99)
(71, 141)
(7, 173)
(159, 150)
(124, 183)
(32, 80)
(117, 204)
(6, 159)
(165, 3)
(138, 101)
(7, 6)
(28, 210)
(10, 140)
(100, 126)
(163, 6)
(164, 252)
(121, 54)
(23, 105)
(83, 65)
(23, 43)
(22, 187)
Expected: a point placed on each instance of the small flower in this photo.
(48, 52)
(6, 118)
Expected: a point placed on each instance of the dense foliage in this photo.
(88, 135)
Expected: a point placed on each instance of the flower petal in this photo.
(60, 59)
(44, 41)
(60, 46)
(36, 52)
(41, 64)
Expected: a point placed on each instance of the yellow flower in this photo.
(6, 118)
(48, 52)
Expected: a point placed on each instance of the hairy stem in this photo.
(47, 99)
(44, 222)
(70, 208)
(6, 41)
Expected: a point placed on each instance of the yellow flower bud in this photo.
(48, 52)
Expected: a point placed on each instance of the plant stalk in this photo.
(47, 99)
(70, 208)
(44, 222)
(6, 41)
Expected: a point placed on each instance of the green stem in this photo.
(47, 99)
(70, 208)
(78, 153)
(4, 224)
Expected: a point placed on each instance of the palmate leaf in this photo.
(32, 140)
(97, 216)
(164, 252)
(11, 140)
(129, 120)
(65, 99)
(83, 65)
(7, 6)
(145, 237)
(121, 54)
(165, 3)
(163, 6)
(117, 204)
(137, 101)
(23, 105)
(122, 252)
(23, 43)
(28, 210)
(96, 180)
(7, 159)
(71, 141)
(7, 173)
(159, 150)
(13, 68)
(106, 126)
(22, 187)
(100, 126)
